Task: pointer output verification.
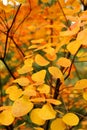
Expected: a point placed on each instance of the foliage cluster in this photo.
(43, 55)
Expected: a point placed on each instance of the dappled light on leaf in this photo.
(58, 124)
(6, 117)
(71, 119)
(40, 60)
(21, 107)
(14, 92)
(35, 118)
(39, 76)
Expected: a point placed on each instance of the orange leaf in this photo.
(64, 62)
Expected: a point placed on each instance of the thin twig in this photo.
(72, 63)
(7, 36)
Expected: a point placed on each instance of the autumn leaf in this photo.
(6, 116)
(85, 95)
(74, 46)
(56, 72)
(81, 84)
(21, 107)
(72, 31)
(14, 92)
(37, 99)
(47, 112)
(39, 76)
(70, 119)
(23, 81)
(30, 91)
(27, 67)
(64, 62)
(35, 118)
(53, 101)
(57, 124)
(44, 88)
(40, 60)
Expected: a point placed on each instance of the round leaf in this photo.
(47, 112)
(6, 117)
(81, 84)
(58, 124)
(40, 60)
(39, 76)
(21, 107)
(71, 119)
(64, 62)
(35, 118)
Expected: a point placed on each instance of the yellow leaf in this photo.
(56, 72)
(81, 84)
(6, 117)
(40, 99)
(30, 91)
(38, 128)
(71, 32)
(23, 81)
(25, 69)
(64, 62)
(85, 95)
(47, 112)
(35, 118)
(37, 41)
(70, 119)
(74, 46)
(21, 107)
(82, 36)
(40, 60)
(53, 101)
(44, 88)
(14, 92)
(57, 124)
(51, 57)
(39, 76)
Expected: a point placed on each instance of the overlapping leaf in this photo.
(21, 107)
